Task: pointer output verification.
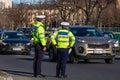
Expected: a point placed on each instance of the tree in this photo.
(87, 12)
(19, 15)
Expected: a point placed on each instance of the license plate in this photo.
(98, 51)
(17, 49)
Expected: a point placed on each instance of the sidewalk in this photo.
(5, 76)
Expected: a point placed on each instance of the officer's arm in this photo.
(53, 38)
(41, 35)
(72, 39)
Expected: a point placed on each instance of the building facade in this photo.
(5, 4)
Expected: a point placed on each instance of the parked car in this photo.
(14, 42)
(0, 34)
(89, 44)
(114, 39)
(27, 31)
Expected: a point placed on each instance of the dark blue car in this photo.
(14, 42)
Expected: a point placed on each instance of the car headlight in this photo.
(32, 39)
(109, 41)
(28, 44)
(116, 44)
(81, 41)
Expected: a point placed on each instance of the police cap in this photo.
(65, 23)
(40, 16)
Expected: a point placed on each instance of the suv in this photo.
(89, 44)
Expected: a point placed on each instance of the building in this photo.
(5, 4)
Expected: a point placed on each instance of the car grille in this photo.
(98, 46)
(16, 44)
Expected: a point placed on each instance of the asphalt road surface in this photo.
(21, 68)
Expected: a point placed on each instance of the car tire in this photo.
(28, 53)
(86, 60)
(52, 52)
(108, 61)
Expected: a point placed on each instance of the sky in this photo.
(26, 1)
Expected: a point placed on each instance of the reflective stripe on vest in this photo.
(63, 39)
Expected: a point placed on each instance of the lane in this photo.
(21, 66)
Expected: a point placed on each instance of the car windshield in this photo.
(26, 31)
(82, 32)
(14, 35)
(110, 35)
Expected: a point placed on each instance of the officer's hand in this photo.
(68, 47)
(56, 46)
(44, 48)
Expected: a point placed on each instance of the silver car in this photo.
(90, 44)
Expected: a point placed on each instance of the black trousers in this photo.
(38, 59)
(61, 61)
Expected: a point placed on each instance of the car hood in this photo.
(16, 41)
(94, 39)
(114, 40)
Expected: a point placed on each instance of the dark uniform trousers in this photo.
(62, 55)
(38, 59)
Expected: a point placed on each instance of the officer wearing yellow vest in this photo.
(39, 41)
(64, 40)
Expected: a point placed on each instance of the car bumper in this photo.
(97, 56)
(116, 49)
(15, 50)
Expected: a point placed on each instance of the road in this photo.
(21, 68)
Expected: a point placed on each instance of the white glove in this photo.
(70, 50)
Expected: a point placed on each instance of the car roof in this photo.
(12, 32)
(24, 28)
(107, 32)
(81, 26)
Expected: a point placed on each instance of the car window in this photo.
(27, 32)
(85, 32)
(112, 36)
(14, 36)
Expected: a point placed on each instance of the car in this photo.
(0, 34)
(114, 39)
(14, 42)
(90, 44)
(27, 31)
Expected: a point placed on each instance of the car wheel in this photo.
(28, 53)
(108, 61)
(86, 60)
(52, 54)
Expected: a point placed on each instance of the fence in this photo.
(113, 29)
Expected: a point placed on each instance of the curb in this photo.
(5, 76)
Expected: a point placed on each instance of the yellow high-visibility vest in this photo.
(39, 34)
(63, 38)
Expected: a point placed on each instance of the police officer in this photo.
(39, 41)
(63, 39)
